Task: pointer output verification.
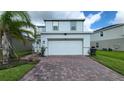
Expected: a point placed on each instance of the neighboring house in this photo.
(20, 46)
(63, 37)
(109, 37)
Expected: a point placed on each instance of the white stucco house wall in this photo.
(109, 37)
(63, 37)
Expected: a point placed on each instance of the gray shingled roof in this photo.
(109, 27)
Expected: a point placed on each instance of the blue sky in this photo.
(106, 18)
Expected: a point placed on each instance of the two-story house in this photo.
(109, 37)
(63, 37)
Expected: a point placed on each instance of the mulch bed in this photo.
(30, 58)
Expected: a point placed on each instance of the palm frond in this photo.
(26, 32)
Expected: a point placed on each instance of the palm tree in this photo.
(14, 24)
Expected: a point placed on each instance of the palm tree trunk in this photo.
(5, 49)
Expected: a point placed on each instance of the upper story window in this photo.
(55, 25)
(101, 34)
(73, 25)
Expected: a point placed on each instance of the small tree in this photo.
(13, 24)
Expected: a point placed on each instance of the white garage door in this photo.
(65, 47)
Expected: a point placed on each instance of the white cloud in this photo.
(38, 16)
(91, 19)
(119, 18)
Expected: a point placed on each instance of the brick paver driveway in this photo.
(58, 68)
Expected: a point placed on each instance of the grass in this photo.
(112, 54)
(15, 73)
(16, 70)
(112, 59)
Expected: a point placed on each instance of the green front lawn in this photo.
(16, 70)
(15, 73)
(112, 59)
(112, 54)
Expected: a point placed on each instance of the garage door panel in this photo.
(65, 47)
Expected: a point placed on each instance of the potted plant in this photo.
(43, 49)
